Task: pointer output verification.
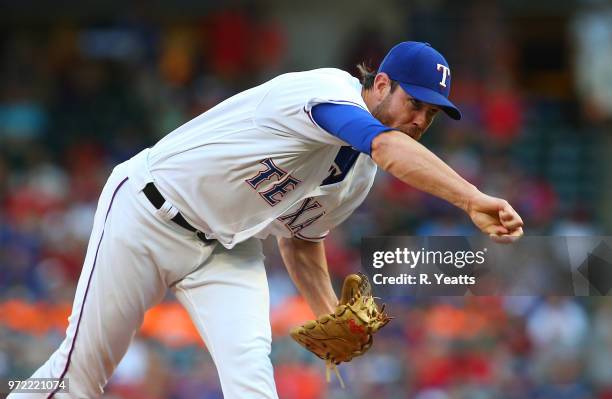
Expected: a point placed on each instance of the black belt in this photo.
(155, 197)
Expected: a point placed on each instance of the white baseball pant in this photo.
(134, 255)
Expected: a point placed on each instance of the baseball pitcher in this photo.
(293, 158)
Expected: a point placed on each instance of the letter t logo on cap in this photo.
(445, 72)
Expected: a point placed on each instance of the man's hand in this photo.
(495, 217)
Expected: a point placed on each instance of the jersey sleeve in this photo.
(286, 110)
(352, 124)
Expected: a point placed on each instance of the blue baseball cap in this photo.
(422, 72)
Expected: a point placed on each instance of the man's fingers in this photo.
(507, 238)
(498, 231)
(510, 218)
(517, 233)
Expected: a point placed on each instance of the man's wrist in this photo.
(467, 199)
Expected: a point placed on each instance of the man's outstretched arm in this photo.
(412, 163)
(307, 266)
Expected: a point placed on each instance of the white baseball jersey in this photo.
(236, 169)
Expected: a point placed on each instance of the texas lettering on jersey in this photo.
(286, 182)
(292, 220)
(274, 194)
(309, 210)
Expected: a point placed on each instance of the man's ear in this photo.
(382, 85)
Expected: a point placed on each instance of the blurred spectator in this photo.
(592, 32)
(558, 323)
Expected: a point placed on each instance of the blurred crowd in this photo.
(76, 99)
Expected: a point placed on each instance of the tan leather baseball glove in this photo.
(348, 332)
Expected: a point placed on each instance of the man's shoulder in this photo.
(321, 85)
(331, 72)
(327, 75)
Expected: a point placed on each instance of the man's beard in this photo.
(381, 112)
